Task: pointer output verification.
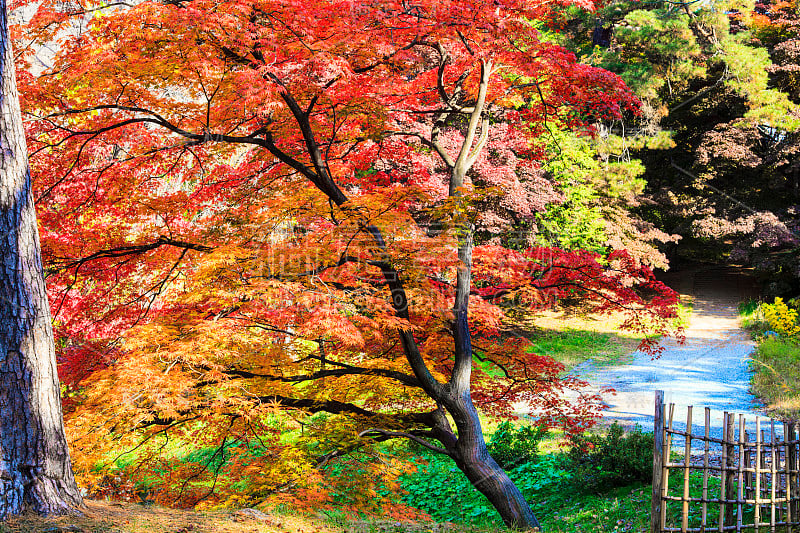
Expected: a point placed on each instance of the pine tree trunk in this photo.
(35, 471)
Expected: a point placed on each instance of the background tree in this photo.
(601, 186)
(716, 133)
(34, 459)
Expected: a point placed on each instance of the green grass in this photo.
(776, 375)
(571, 347)
(561, 504)
(441, 489)
(775, 364)
(558, 486)
(577, 342)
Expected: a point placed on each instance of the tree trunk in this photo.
(35, 471)
(472, 458)
(469, 451)
(493, 482)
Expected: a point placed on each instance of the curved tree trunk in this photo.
(472, 458)
(35, 471)
(469, 450)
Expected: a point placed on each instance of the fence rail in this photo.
(744, 481)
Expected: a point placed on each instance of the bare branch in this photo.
(399, 434)
(132, 250)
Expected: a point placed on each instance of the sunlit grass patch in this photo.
(776, 375)
(776, 361)
(571, 346)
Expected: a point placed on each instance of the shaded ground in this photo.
(117, 517)
(709, 370)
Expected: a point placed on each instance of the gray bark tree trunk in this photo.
(472, 457)
(35, 471)
(469, 450)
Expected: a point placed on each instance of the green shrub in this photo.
(616, 459)
(511, 446)
(749, 307)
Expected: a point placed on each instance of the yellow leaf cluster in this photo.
(781, 318)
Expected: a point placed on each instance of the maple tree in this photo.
(259, 205)
(34, 458)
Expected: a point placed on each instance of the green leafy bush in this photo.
(441, 489)
(752, 317)
(511, 446)
(616, 459)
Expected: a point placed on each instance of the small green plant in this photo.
(752, 317)
(616, 459)
(513, 445)
(684, 317)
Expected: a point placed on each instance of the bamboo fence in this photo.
(745, 481)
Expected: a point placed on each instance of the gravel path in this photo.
(708, 370)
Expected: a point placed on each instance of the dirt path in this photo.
(708, 370)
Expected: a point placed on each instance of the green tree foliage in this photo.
(600, 184)
(576, 222)
(716, 133)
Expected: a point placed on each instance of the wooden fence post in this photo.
(656, 525)
(764, 473)
(687, 461)
(730, 463)
(787, 467)
(723, 486)
(793, 475)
